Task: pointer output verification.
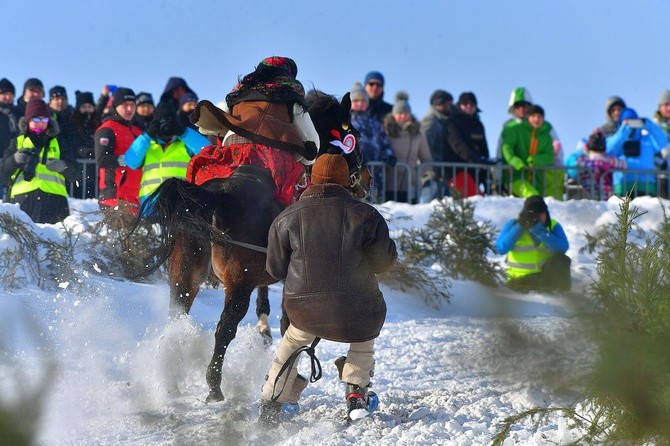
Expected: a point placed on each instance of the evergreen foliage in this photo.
(455, 241)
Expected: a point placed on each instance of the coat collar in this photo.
(326, 190)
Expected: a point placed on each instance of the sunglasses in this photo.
(42, 120)
(375, 84)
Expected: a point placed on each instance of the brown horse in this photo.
(222, 228)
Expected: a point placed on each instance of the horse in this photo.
(221, 227)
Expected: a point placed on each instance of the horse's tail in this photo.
(178, 208)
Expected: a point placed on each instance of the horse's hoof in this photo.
(267, 338)
(214, 396)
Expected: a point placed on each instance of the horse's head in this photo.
(332, 120)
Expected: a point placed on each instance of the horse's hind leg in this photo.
(262, 312)
(188, 268)
(236, 306)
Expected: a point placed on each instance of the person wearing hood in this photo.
(535, 245)
(409, 147)
(163, 151)
(374, 87)
(528, 145)
(613, 107)
(175, 88)
(187, 104)
(642, 144)
(119, 185)
(35, 168)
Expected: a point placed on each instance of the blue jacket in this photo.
(652, 139)
(134, 156)
(555, 240)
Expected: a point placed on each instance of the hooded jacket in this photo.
(327, 248)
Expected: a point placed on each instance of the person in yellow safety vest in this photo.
(163, 150)
(35, 168)
(535, 245)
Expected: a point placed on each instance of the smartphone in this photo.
(635, 123)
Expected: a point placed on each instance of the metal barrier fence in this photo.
(398, 182)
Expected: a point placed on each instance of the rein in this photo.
(315, 374)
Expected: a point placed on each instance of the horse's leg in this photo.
(188, 268)
(262, 312)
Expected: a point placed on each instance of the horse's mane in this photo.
(327, 114)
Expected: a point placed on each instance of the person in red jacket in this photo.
(118, 184)
(327, 248)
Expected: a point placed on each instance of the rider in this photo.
(264, 122)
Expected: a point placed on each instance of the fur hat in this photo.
(374, 75)
(440, 97)
(401, 103)
(36, 108)
(330, 168)
(83, 97)
(533, 109)
(6, 86)
(358, 93)
(144, 98)
(122, 95)
(57, 91)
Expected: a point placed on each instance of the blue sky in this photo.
(570, 54)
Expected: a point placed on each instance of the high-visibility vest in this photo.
(45, 180)
(159, 165)
(525, 258)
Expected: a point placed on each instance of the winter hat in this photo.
(144, 98)
(596, 141)
(273, 80)
(374, 75)
(33, 83)
(165, 112)
(83, 97)
(664, 98)
(122, 95)
(519, 96)
(401, 103)
(187, 97)
(37, 108)
(534, 205)
(535, 109)
(627, 113)
(330, 168)
(57, 92)
(440, 97)
(6, 86)
(611, 102)
(358, 93)
(466, 97)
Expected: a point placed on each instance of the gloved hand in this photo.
(21, 156)
(527, 219)
(56, 165)
(530, 161)
(153, 129)
(391, 161)
(121, 160)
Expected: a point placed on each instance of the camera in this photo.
(165, 127)
(30, 165)
(635, 123)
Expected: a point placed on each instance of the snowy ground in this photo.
(127, 375)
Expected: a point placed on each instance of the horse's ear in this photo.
(345, 104)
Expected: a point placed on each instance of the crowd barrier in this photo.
(435, 178)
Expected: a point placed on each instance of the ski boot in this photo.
(360, 402)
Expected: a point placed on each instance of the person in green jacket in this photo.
(527, 146)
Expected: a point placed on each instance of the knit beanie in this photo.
(374, 75)
(664, 98)
(164, 111)
(466, 97)
(535, 205)
(440, 97)
(83, 97)
(57, 91)
(533, 109)
(37, 108)
(519, 96)
(330, 168)
(144, 98)
(33, 83)
(187, 97)
(401, 103)
(358, 93)
(6, 86)
(122, 95)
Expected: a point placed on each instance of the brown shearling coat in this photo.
(328, 247)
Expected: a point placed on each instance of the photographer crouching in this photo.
(36, 169)
(535, 245)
